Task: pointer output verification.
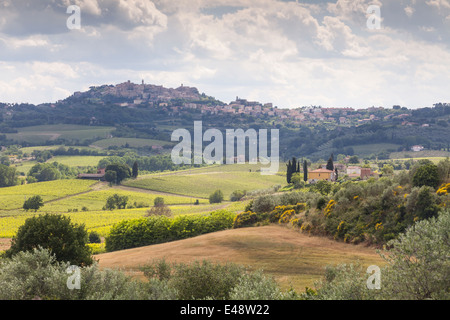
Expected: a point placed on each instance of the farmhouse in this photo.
(417, 148)
(358, 172)
(100, 175)
(321, 174)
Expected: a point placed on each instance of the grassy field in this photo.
(41, 134)
(29, 150)
(132, 142)
(95, 200)
(77, 161)
(368, 149)
(206, 182)
(13, 197)
(101, 221)
(293, 258)
(424, 154)
(24, 166)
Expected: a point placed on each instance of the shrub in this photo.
(116, 201)
(237, 195)
(426, 175)
(157, 229)
(321, 203)
(427, 275)
(417, 268)
(344, 282)
(264, 204)
(245, 219)
(94, 237)
(205, 280)
(67, 241)
(323, 187)
(159, 211)
(33, 203)
(138, 232)
(216, 197)
(256, 286)
(297, 181)
(286, 216)
(158, 202)
(37, 274)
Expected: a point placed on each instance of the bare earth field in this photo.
(293, 258)
(5, 243)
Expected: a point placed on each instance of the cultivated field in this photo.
(13, 197)
(41, 134)
(132, 142)
(206, 182)
(77, 161)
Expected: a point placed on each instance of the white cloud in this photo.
(409, 11)
(288, 53)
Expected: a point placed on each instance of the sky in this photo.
(290, 53)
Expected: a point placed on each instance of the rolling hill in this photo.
(293, 258)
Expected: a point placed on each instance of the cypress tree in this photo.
(135, 170)
(294, 165)
(330, 164)
(305, 171)
(289, 172)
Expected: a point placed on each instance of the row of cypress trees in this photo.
(294, 167)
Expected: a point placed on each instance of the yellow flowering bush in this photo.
(286, 216)
(244, 219)
(444, 189)
(329, 208)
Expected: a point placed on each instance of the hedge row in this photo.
(146, 231)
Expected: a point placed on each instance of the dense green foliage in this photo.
(8, 176)
(33, 203)
(143, 163)
(426, 175)
(417, 268)
(372, 211)
(216, 197)
(122, 171)
(65, 240)
(51, 171)
(158, 229)
(237, 195)
(38, 275)
(116, 201)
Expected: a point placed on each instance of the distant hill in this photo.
(132, 93)
(148, 111)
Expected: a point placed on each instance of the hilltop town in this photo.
(186, 99)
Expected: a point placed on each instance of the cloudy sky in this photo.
(291, 53)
